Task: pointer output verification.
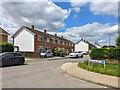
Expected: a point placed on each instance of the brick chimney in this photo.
(45, 31)
(32, 27)
(62, 36)
(55, 34)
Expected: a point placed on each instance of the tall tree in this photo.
(118, 41)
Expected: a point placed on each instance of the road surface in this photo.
(43, 74)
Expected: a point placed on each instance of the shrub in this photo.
(105, 53)
(6, 47)
(118, 41)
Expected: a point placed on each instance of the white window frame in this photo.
(58, 41)
(39, 38)
(63, 43)
(53, 41)
(48, 40)
(66, 43)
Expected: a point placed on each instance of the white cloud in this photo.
(75, 15)
(46, 15)
(78, 3)
(77, 9)
(99, 7)
(94, 32)
(105, 8)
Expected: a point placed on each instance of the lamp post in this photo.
(109, 38)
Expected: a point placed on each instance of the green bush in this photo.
(6, 47)
(105, 53)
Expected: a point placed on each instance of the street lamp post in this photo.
(109, 38)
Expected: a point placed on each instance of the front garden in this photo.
(110, 68)
(111, 56)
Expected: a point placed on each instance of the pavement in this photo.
(50, 58)
(72, 69)
(43, 74)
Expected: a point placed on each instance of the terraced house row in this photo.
(32, 42)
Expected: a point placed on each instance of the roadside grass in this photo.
(110, 68)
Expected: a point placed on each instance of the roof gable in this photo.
(18, 31)
(83, 40)
(2, 31)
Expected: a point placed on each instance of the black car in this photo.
(11, 58)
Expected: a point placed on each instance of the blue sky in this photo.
(74, 20)
(85, 16)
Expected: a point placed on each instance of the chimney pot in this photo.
(45, 31)
(32, 27)
(55, 34)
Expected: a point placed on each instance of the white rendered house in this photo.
(83, 45)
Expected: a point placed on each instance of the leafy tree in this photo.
(118, 41)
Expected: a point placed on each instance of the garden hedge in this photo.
(105, 53)
(6, 47)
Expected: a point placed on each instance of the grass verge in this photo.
(110, 68)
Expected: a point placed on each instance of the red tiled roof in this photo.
(37, 32)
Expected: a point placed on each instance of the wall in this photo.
(25, 41)
(51, 44)
(81, 46)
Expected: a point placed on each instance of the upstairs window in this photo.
(63, 43)
(66, 43)
(72, 44)
(54, 41)
(58, 41)
(48, 40)
(40, 38)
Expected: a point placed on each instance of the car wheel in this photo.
(45, 56)
(82, 56)
(76, 56)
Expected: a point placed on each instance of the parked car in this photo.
(11, 58)
(76, 54)
(84, 52)
(46, 54)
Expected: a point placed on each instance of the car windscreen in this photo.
(43, 51)
(1, 54)
(74, 52)
(8, 55)
(17, 54)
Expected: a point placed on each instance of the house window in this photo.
(58, 42)
(66, 43)
(72, 44)
(40, 38)
(40, 49)
(48, 40)
(63, 43)
(54, 41)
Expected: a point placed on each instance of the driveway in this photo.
(43, 74)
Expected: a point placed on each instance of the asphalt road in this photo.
(42, 74)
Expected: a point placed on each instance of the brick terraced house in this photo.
(3, 35)
(32, 42)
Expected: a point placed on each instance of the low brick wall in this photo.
(31, 54)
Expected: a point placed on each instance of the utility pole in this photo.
(109, 38)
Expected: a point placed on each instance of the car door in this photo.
(17, 58)
(79, 54)
(7, 59)
(48, 54)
